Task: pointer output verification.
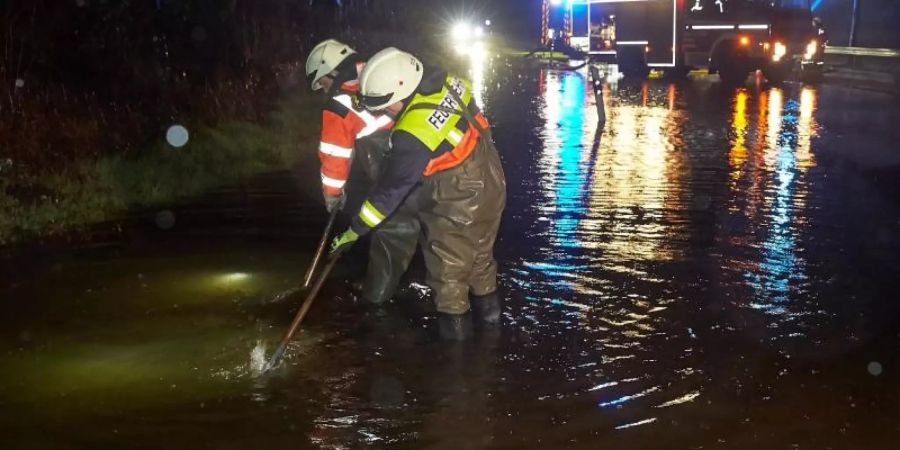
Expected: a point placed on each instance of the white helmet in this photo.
(390, 76)
(325, 59)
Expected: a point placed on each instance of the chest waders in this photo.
(454, 214)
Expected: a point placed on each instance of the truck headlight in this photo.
(779, 52)
(811, 49)
(461, 31)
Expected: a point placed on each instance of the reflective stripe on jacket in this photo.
(342, 125)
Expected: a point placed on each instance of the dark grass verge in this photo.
(69, 200)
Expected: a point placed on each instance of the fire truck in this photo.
(730, 37)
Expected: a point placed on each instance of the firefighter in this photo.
(442, 185)
(351, 132)
(333, 67)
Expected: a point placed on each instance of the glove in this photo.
(333, 201)
(343, 242)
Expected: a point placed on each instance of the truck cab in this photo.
(736, 37)
(730, 37)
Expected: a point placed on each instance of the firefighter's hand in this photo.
(343, 242)
(333, 201)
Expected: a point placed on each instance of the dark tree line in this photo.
(75, 70)
(84, 41)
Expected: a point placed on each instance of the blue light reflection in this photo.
(564, 160)
(787, 157)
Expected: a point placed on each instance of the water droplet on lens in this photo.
(875, 368)
(177, 136)
(165, 219)
(20, 83)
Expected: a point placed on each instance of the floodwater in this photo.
(711, 268)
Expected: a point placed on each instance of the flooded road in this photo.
(712, 268)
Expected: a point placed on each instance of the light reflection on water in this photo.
(603, 213)
(777, 179)
(615, 203)
(776, 205)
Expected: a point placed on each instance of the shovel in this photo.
(320, 250)
(279, 352)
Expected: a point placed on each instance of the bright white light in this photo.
(177, 136)
(555, 2)
(780, 51)
(487, 22)
(479, 52)
(479, 32)
(811, 49)
(461, 31)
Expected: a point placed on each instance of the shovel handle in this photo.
(320, 250)
(279, 352)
